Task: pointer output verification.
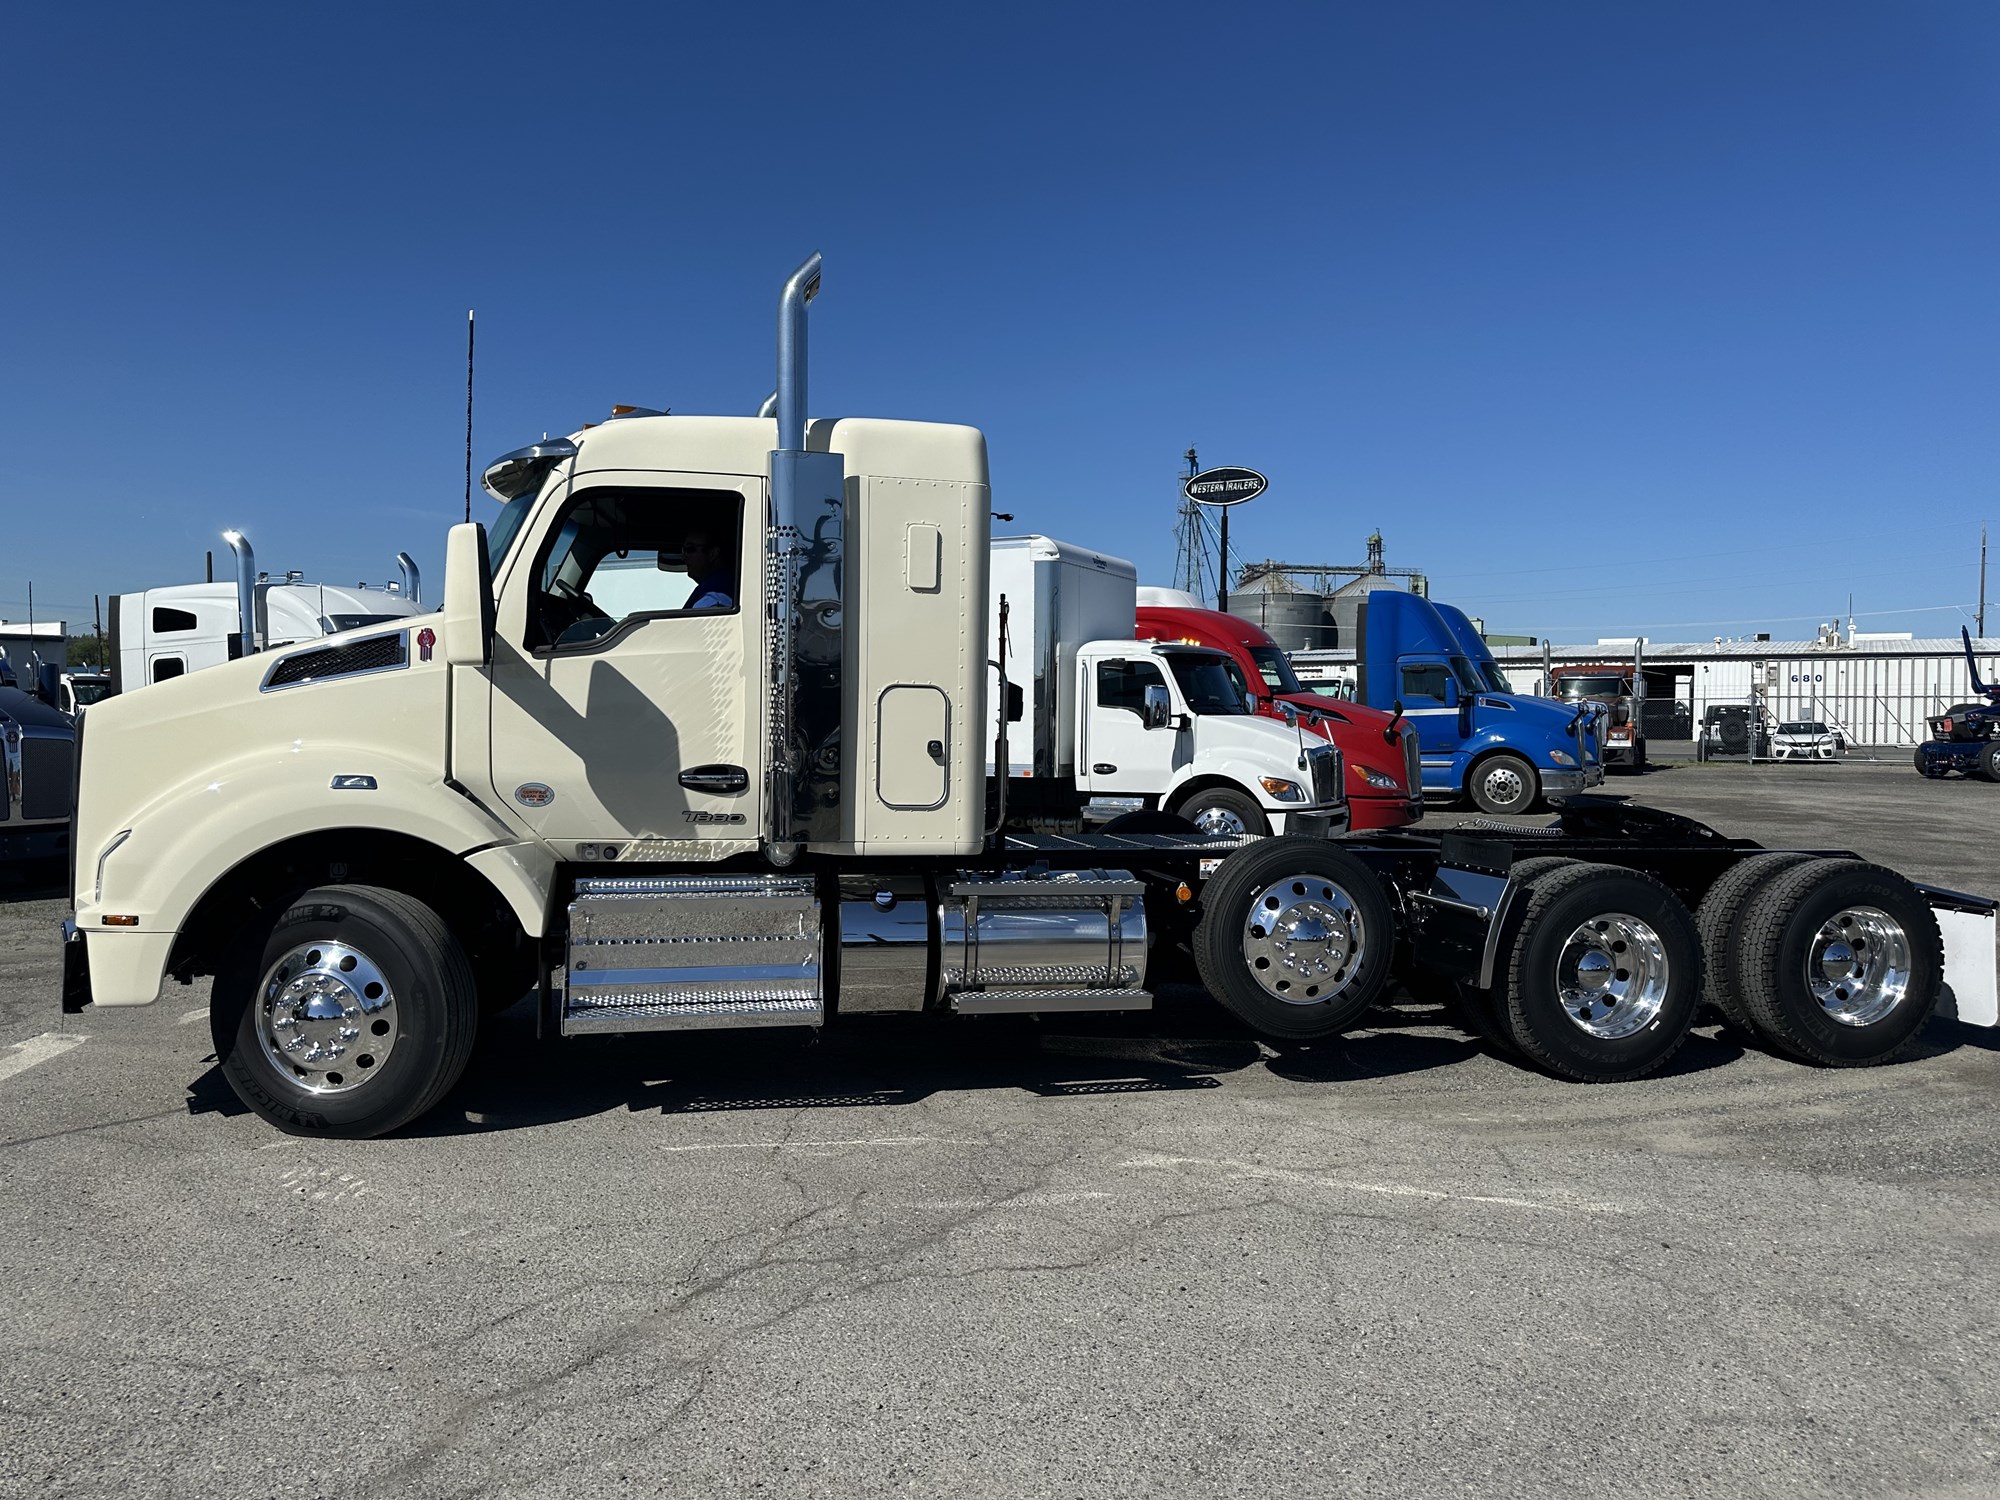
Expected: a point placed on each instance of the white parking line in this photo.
(1385, 1189)
(38, 1049)
(884, 1140)
(193, 1016)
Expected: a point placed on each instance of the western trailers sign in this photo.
(1225, 486)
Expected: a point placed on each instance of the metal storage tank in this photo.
(1295, 618)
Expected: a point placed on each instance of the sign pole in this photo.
(1222, 572)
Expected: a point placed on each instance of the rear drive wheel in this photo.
(350, 1016)
(1604, 974)
(1841, 963)
(1989, 760)
(1483, 1012)
(1503, 784)
(1719, 920)
(1224, 811)
(1296, 938)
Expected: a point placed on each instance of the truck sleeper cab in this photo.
(1384, 789)
(663, 811)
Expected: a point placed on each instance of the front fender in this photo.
(189, 837)
(1243, 772)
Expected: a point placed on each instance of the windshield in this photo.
(1276, 670)
(1802, 729)
(1469, 681)
(1495, 679)
(1606, 686)
(506, 526)
(1206, 683)
(88, 691)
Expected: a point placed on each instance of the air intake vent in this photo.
(378, 653)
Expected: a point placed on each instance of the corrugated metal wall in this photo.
(1873, 700)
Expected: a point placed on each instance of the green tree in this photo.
(88, 650)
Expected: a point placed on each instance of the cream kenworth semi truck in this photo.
(747, 787)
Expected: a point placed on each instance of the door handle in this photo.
(935, 750)
(720, 781)
(1104, 768)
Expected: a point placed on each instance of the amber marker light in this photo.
(119, 921)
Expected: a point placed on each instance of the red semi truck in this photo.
(1384, 789)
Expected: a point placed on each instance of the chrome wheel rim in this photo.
(1220, 822)
(1303, 939)
(326, 1017)
(1504, 785)
(1611, 975)
(1859, 966)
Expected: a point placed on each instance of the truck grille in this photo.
(47, 767)
(1325, 775)
(1412, 768)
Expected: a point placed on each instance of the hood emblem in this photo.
(534, 794)
(426, 638)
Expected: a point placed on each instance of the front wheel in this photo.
(1223, 811)
(351, 1016)
(1296, 938)
(1504, 784)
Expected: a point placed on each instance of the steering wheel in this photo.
(564, 610)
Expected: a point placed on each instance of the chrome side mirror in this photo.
(1158, 709)
(468, 597)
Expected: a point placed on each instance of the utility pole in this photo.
(468, 414)
(1982, 580)
(97, 611)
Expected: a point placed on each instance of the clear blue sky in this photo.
(1676, 319)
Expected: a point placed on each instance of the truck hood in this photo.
(1251, 734)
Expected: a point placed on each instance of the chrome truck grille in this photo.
(671, 953)
(1325, 773)
(1044, 942)
(1413, 771)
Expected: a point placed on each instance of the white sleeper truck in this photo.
(1112, 726)
(162, 633)
(755, 794)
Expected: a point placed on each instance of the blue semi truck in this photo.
(1476, 738)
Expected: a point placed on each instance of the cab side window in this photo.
(1425, 682)
(1124, 684)
(618, 555)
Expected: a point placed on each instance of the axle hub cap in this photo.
(326, 1017)
(1611, 975)
(1219, 822)
(1303, 939)
(1859, 966)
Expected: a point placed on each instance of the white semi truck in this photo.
(770, 809)
(1111, 725)
(161, 633)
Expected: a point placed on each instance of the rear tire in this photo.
(1989, 760)
(1296, 938)
(1841, 963)
(1224, 811)
(351, 1015)
(1604, 974)
(1483, 1012)
(1718, 922)
(1503, 784)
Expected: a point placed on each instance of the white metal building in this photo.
(1875, 690)
(20, 643)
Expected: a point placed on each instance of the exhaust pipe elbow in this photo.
(246, 588)
(800, 289)
(413, 581)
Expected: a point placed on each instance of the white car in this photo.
(1806, 739)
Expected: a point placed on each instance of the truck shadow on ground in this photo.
(1186, 1044)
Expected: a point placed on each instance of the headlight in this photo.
(1382, 781)
(1284, 791)
(1562, 757)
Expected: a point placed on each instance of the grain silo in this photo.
(1295, 618)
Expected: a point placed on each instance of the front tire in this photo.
(1222, 811)
(1503, 784)
(1295, 937)
(350, 1016)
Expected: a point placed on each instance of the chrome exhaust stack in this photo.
(413, 581)
(246, 589)
(805, 558)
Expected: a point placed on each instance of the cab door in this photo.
(1431, 703)
(626, 650)
(1116, 752)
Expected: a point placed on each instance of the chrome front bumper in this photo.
(1317, 824)
(1558, 782)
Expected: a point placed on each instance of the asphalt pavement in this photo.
(1142, 1255)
